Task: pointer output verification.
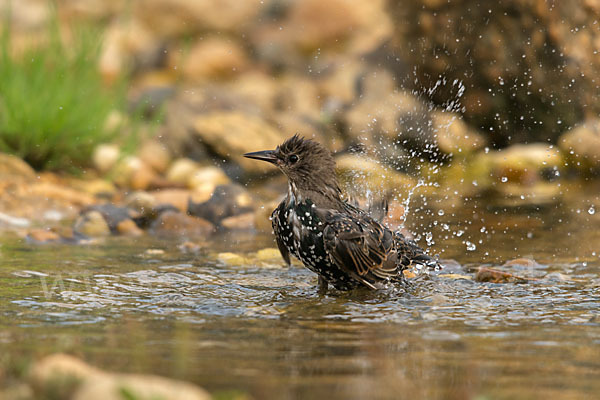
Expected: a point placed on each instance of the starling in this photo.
(343, 244)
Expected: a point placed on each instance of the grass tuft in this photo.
(53, 102)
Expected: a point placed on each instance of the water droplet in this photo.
(504, 179)
(441, 212)
(470, 246)
(591, 210)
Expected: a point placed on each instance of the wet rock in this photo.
(526, 164)
(181, 171)
(92, 224)
(112, 215)
(581, 146)
(156, 155)
(212, 58)
(244, 221)
(495, 276)
(43, 236)
(453, 136)
(105, 157)
(205, 180)
(13, 168)
(226, 201)
(232, 259)
(172, 223)
(230, 134)
(189, 247)
(128, 227)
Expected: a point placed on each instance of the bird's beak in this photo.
(267, 155)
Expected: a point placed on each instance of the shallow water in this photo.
(265, 330)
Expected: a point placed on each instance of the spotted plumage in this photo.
(343, 244)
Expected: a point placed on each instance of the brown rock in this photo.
(65, 377)
(133, 173)
(176, 197)
(231, 134)
(581, 145)
(256, 87)
(13, 168)
(59, 375)
(181, 171)
(128, 228)
(92, 224)
(175, 223)
(156, 155)
(515, 86)
(138, 387)
(495, 276)
(43, 236)
(453, 136)
(105, 157)
(212, 58)
(204, 181)
(244, 221)
(172, 18)
(357, 171)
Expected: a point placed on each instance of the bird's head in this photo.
(307, 164)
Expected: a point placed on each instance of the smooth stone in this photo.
(156, 155)
(128, 227)
(92, 224)
(105, 157)
(244, 221)
(211, 58)
(581, 145)
(181, 171)
(179, 224)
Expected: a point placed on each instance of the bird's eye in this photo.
(293, 158)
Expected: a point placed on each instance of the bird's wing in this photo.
(361, 246)
(278, 234)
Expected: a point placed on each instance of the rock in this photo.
(269, 254)
(516, 89)
(92, 224)
(581, 146)
(62, 376)
(128, 227)
(257, 88)
(105, 157)
(133, 173)
(526, 164)
(141, 202)
(96, 187)
(174, 18)
(126, 44)
(239, 222)
(182, 170)
(176, 197)
(189, 247)
(232, 259)
(212, 58)
(118, 387)
(230, 134)
(156, 155)
(58, 376)
(453, 136)
(485, 274)
(43, 236)
(112, 214)
(357, 171)
(13, 168)
(173, 223)
(300, 94)
(205, 180)
(226, 201)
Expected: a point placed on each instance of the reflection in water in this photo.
(267, 331)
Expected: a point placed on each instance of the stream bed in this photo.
(145, 306)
